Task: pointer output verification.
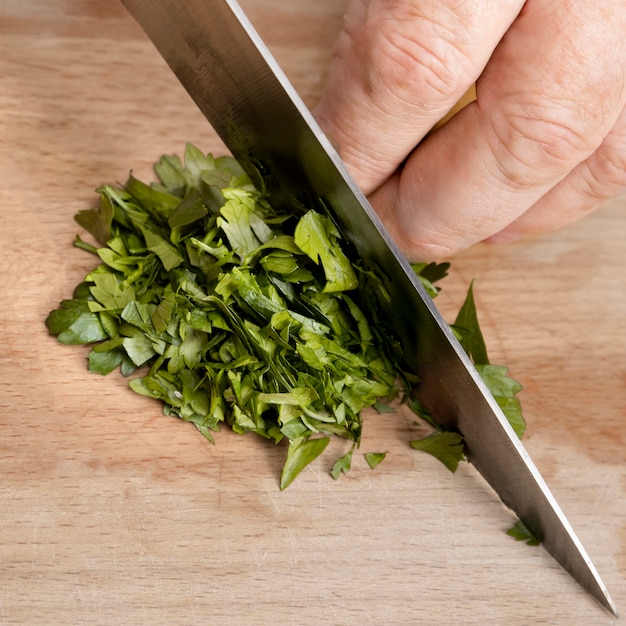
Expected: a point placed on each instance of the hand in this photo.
(543, 144)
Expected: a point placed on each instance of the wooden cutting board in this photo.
(111, 513)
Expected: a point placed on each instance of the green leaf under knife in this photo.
(446, 446)
(520, 532)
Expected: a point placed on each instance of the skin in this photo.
(542, 145)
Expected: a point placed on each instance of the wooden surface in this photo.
(111, 513)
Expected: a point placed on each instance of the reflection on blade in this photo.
(236, 83)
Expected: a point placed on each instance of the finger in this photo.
(400, 66)
(601, 177)
(543, 107)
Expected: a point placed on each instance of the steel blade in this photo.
(224, 65)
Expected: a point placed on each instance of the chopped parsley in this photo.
(232, 312)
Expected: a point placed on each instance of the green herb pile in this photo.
(240, 314)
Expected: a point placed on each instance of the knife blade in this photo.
(235, 81)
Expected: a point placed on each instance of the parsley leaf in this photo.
(97, 221)
(342, 465)
(444, 445)
(299, 454)
(500, 384)
(520, 532)
(468, 330)
(74, 323)
(318, 237)
(504, 388)
(375, 458)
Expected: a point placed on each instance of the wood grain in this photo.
(111, 513)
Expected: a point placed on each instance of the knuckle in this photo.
(424, 245)
(609, 169)
(562, 133)
(412, 55)
(538, 142)
(435, 239)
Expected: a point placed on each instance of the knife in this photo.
(226, 68)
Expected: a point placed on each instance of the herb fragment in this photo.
(520, 532)
(300, 453)
(443, 445)
(375, 458)
(342, 465)
(468, 329)
(318, 237)
(503, 387)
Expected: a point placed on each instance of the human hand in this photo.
(543, 144)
